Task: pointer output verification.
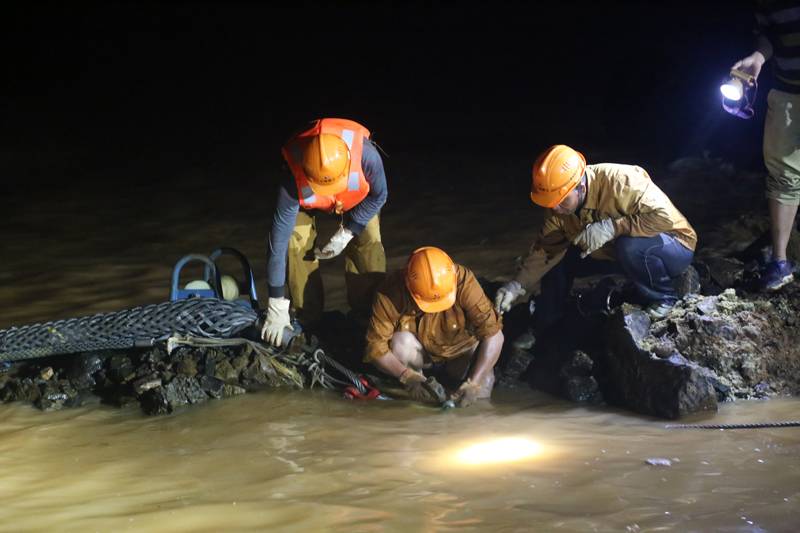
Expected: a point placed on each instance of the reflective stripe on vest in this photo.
(352, 181)
(308, 195)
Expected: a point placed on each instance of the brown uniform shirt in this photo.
(624, 193)
(445, 334)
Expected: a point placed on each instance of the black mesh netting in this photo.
(202, 317)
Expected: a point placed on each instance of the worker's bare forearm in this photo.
(486, 357)
(389, 364)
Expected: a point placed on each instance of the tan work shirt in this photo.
(624, 193)
(445, 334)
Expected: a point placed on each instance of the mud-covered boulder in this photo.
(633, 376)
(750, 344)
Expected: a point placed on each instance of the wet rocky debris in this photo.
(708, 349)
(159, 381)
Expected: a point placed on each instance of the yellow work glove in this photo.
(594, 236)
(466, 394)
(421, 389)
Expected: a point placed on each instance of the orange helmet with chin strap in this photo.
(431, 279)
(556, 172)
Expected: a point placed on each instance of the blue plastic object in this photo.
(248, 273)
(177, 293)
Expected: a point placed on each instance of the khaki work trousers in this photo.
(782, 147)
(364, 265)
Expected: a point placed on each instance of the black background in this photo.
(115, 93)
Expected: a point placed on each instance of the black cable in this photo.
(754, 425)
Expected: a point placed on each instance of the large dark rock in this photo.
(82, 370)
(56, 394)
(515, 360)
(636, 378)
(120, 368)
(259, 374)
(212, 386)
(179, 392)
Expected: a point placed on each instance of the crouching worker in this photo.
(434, 318)
(607, 212)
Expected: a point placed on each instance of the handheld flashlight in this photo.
(738, 94)
(732, 89)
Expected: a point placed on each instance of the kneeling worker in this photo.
(433, 316)
(607, 211)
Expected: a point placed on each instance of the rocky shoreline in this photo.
(160, 381)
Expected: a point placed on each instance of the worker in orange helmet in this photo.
(607, 212)
(335, 169)
(433, 317)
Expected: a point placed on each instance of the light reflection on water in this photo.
(308, 460)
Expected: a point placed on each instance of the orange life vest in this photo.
(353, 134)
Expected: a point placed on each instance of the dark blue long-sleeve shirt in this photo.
(288, 205)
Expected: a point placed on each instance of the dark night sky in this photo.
(110, 91)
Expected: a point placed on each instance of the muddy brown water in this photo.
(311, 461)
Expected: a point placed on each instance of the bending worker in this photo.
(433, 317)
(777, 26)
(335, 169)
(606, 211)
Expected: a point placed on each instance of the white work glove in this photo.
(335, 246)
(594, 236)
(277, 320)
(506, 295)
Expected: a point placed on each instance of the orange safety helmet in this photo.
(431, 279)
(326, 162)
(555, 173)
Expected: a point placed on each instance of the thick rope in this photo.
(287, 372)
(754, 425)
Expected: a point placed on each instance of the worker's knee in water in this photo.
(407, 348)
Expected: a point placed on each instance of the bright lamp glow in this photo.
(732, 90)
(497, 451)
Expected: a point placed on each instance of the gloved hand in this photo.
(419, 388)
(335, 246)
(506, 295)
(466, 394)
(594, 236)
(277, 320)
